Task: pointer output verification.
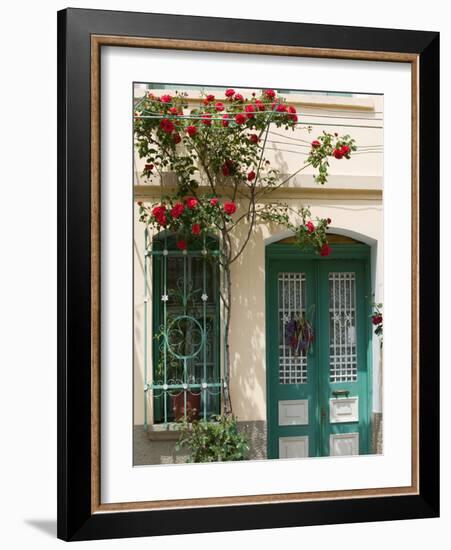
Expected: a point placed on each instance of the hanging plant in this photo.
(299, 334)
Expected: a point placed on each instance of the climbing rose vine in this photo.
(219, 146)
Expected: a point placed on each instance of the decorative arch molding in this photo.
(350, 236)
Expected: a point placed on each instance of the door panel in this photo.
(343, 380)
(292, 378)
(318, 401)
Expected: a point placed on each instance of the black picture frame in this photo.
(76, 519)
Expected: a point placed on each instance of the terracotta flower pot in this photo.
(192, 406)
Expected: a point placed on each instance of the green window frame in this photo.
(186, 377)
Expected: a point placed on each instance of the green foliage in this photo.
(223, 143)
(325, 146)
(222, 139)
(215, 441)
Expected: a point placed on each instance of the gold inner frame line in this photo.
(97, 41)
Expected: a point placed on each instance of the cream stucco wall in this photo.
(352, 198)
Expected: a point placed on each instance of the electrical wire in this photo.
(304, 123)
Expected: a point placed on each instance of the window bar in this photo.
(291, 307)
(146, 241)
(341, 285)
(284, 347)
(348, 327)
(165, 343)
(204, 301)
(334, 329)
(185, 361)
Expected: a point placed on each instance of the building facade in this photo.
(325, 402)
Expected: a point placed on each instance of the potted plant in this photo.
(218, 440)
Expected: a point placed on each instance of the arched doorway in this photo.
(318, 349)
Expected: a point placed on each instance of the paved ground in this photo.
(146, 451)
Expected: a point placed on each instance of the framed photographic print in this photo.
(248, 274)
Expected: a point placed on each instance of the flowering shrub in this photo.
(222, 138)
(329, 145)
(189, 217)
(377, 319)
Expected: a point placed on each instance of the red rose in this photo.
(230, 92)
(173, 111)
(270, 94)
(166, 98)
(260, 105)
(345, 149)
(325, 250)
(191, 203)
(219, 106)
(158, 210)
(229, 208)
(240, 118)
(238, 97)
(329, 221)
(209, 99)
(281, 108)
(310, 227)
(226, 169)
(206, 119)
(181, 244)
(214, 201)
(192, 131)
(177, 210)
(159, 213)
(167, 125)
(253, 138)
(292, 116)
(316, 144)
(376, 319)
(225, 120)
(338, 154)
(250, 110)
(196, 229)
(177, 138)
(251, 175)
(148, 167)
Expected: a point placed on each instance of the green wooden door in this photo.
(319, 401)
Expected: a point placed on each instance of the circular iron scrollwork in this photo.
(184, 337)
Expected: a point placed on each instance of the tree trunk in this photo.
(226, 297)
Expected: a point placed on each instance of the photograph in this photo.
(258, 269)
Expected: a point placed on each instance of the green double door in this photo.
(318, 398)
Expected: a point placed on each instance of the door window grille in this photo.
(342, 327)
(292, 305)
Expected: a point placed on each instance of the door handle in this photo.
(340, 393)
